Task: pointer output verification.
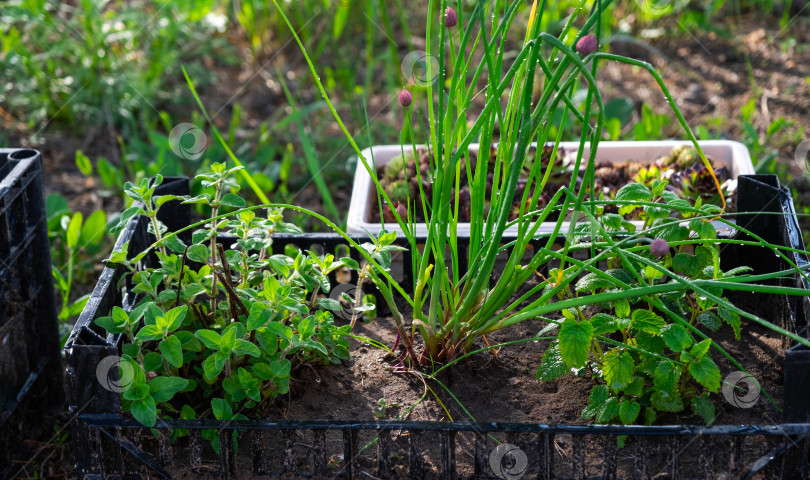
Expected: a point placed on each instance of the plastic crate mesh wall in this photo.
(31, 380)
(111, 446)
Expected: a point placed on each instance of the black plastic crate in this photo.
(31, 372)
(109, 445)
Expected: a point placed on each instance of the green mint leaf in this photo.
(685, 264)
(136, 392)
(174, 317)
(329, 304)
(203, 198)
(258, 316)
(213, 365)
(609, 410)
(280, 368)
(124, 219)
(705, 371)
(676, 337)
(628, 411)
(575, 342)
(618, 369)
(198, 253)
(732, 318)
(710, 321)
(704, 408)
(552, 365)
(83, 163)
(647, 321)
(667, 401)
(351, 263)
(109, 324)
(622, 307)
(74, 231)
(294, 306)
(666, 377)
(268, 340)
(701, 348)
(174, 244)
(316, 346)
(167, 198)
(228, 338)
(263, 371)
(201, 236)
(93, 229)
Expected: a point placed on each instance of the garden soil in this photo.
(502, 387)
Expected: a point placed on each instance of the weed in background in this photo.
(99, 64)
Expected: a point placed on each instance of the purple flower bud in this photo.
(402, 211)
(659, 247)
(587, 45)
(450, 18)
(405, 98)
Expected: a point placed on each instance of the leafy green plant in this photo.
(765, 148)
(645, 357)
(76, 244)
(460, 307)
(95, 63)
(218, 330)
(451, 308)
(651, 125)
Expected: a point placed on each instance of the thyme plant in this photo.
(218, 330)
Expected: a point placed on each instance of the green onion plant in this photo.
(647, 344)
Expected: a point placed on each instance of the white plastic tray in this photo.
(732, 154)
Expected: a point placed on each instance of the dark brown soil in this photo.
(502, 387)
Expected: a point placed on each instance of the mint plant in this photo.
(650, 353)
(220, 328)
(644, 362)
